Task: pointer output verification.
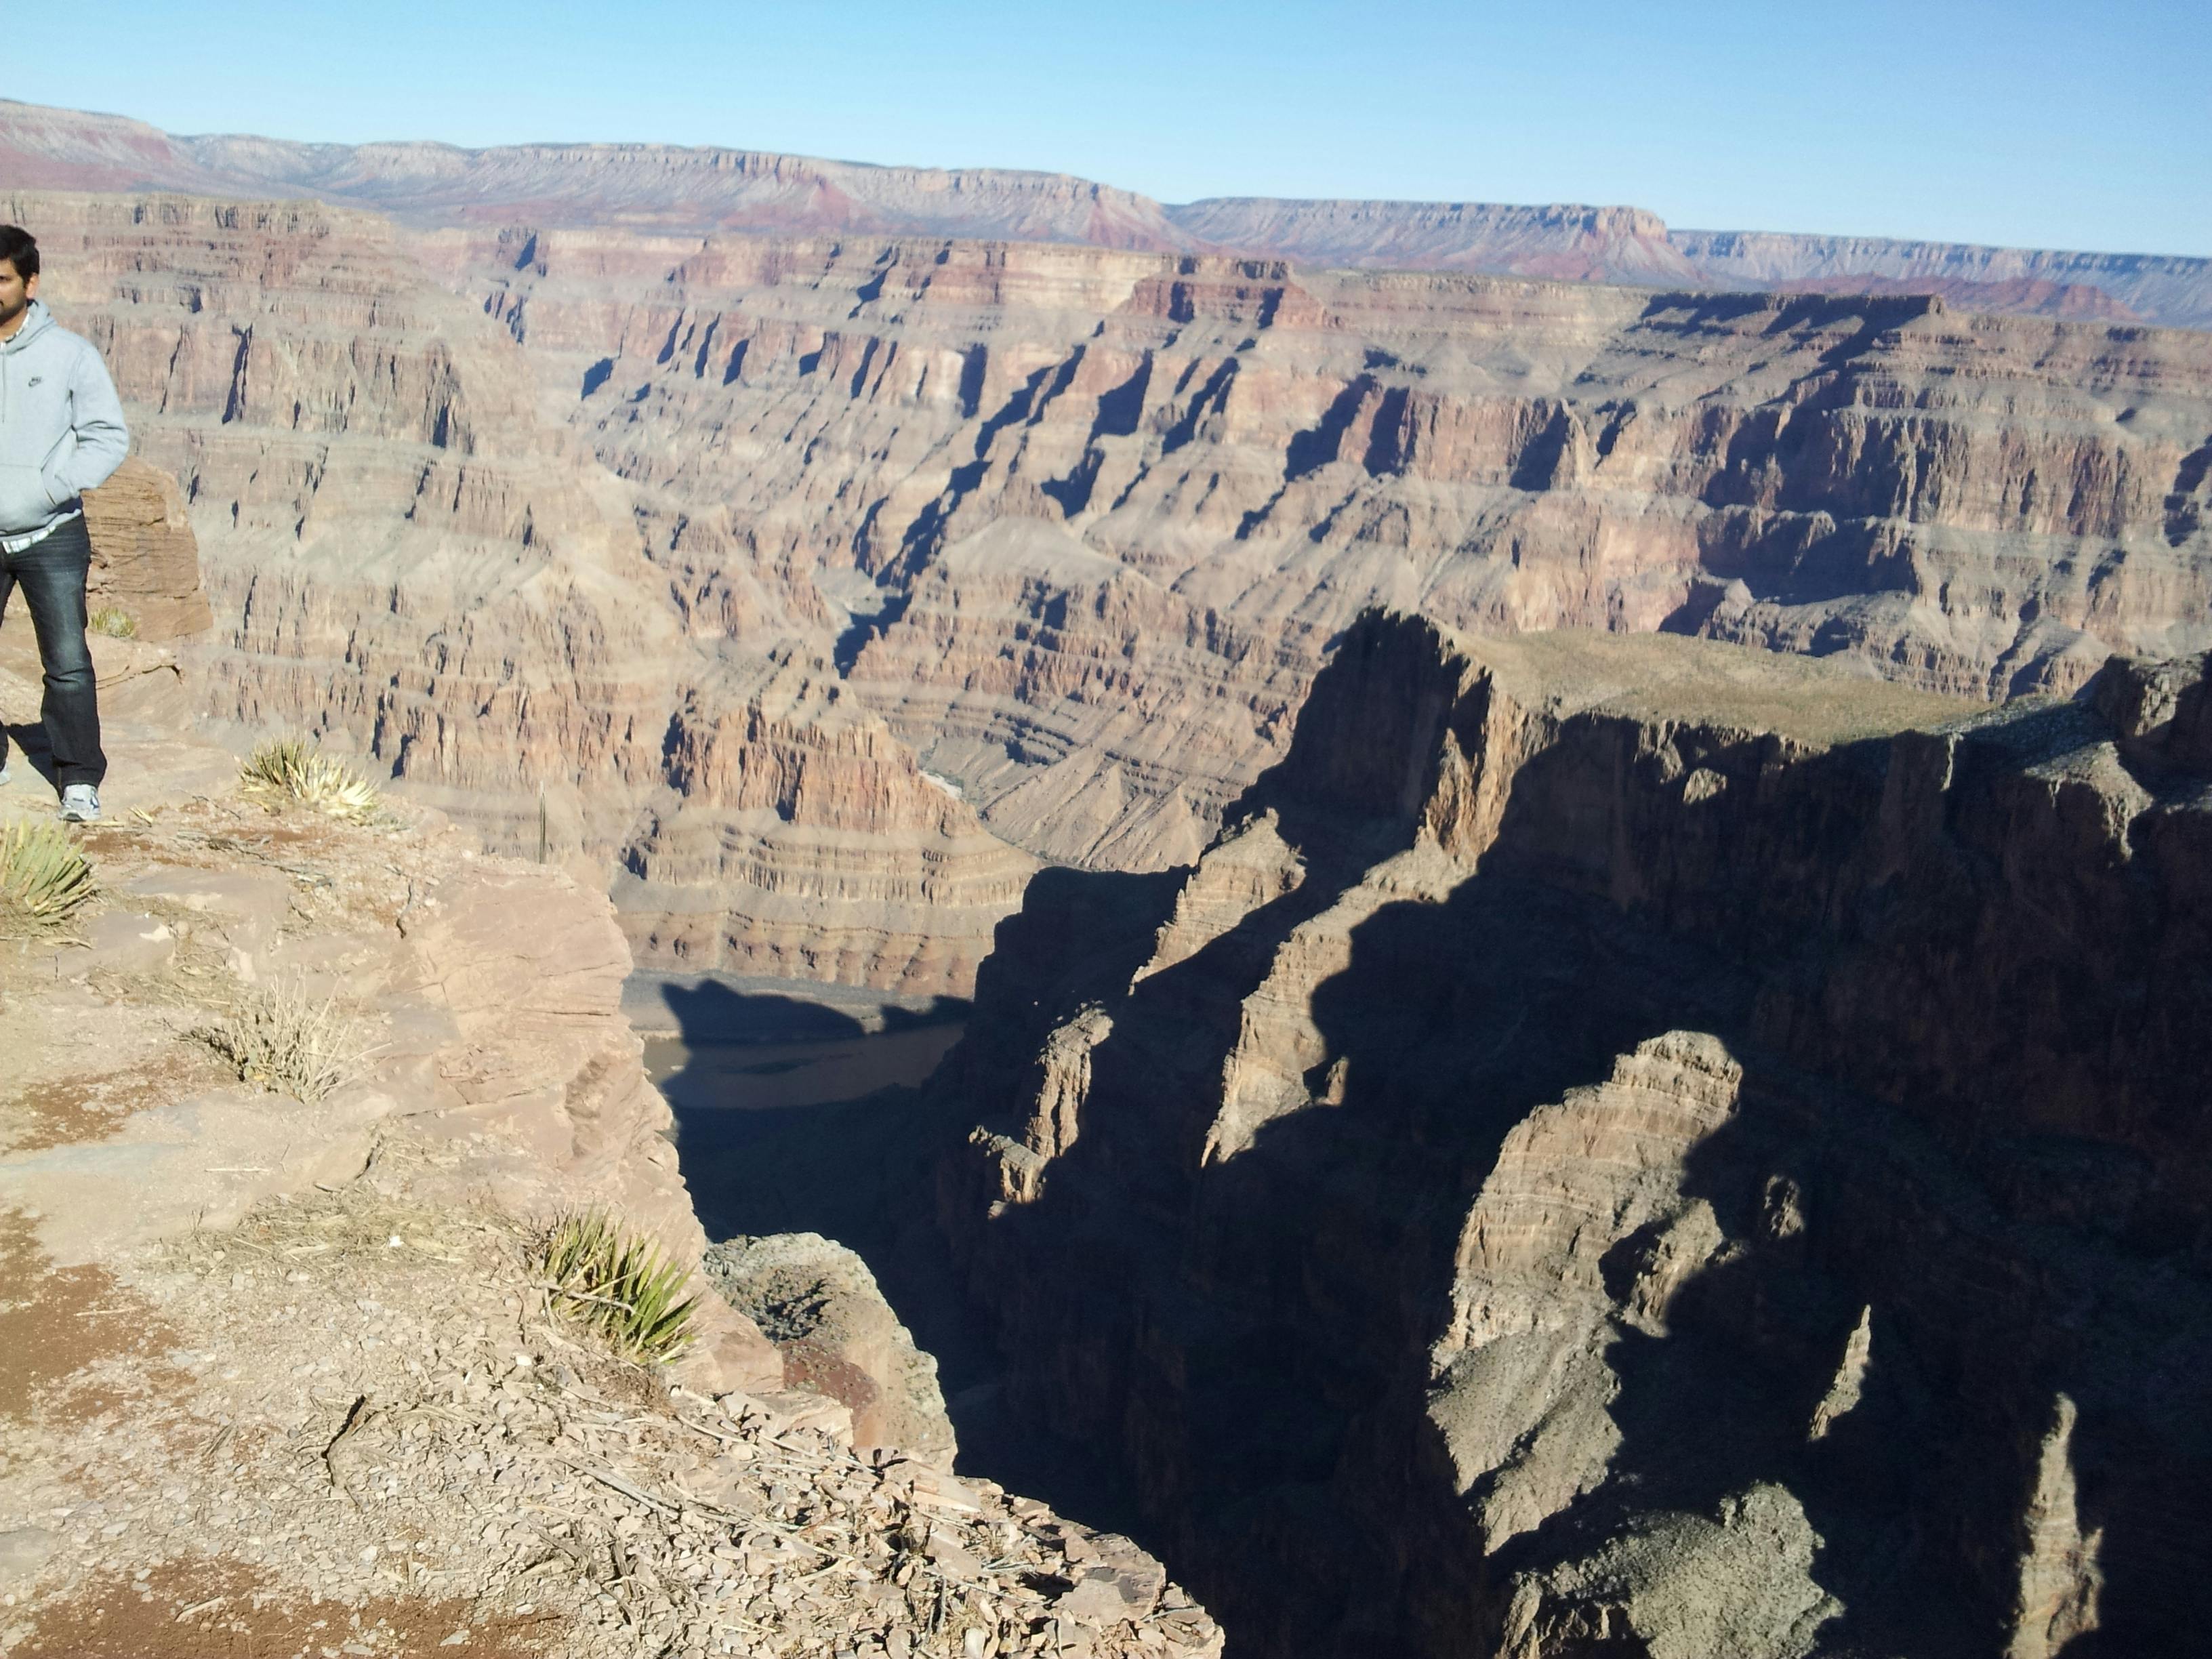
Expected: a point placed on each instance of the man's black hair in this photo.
(20, 249)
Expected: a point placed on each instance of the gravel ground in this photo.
(361, 1407)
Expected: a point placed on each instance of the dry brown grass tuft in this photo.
(288, 1042)
(115, 623)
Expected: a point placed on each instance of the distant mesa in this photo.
(2024, 296)
(698, 192)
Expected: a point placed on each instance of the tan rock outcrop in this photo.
(2058, 1575)
(1521, 1393)
(818, 1301)
(145, 561)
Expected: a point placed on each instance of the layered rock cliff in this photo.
(412, 556)
(639, 186)
(2171, 288)
(859, 869)
(1099, 514)
(1634, 1146)
(568, 527)
(1562, 243)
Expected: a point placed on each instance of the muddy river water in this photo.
(776, 1076)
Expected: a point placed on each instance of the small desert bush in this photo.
(285, 1041)
(291, 771)
(43, 880)
(116, 624)
(620, 1286)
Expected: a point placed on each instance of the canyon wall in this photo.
(698, 192)
(806, 591)
(642, 186)
(1634, 1146)
(1096, 517)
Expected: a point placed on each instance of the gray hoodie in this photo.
(61, 423)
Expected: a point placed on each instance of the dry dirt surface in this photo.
(368, 1438)
(218, 1611)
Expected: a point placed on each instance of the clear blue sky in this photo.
(2047, 125)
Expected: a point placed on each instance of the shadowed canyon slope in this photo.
(710, 540)
(1635, 1146)
(701, 191)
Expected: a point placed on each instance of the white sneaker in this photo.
(80, 804)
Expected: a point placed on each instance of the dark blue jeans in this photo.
(51, 573)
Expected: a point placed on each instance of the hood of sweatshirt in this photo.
(37, 319)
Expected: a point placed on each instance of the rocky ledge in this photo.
(1639, 1146)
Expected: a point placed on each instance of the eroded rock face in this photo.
(1668, 1148)
(145, 563)
(2161, 711)
(411, 560)
(558, 524)
(1102, 513)
(857, 868)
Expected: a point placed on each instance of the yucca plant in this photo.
(285, 1041)
(115, 623)
(619, 1285)
(43, 878)
(292, 770)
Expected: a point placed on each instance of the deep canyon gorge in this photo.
(1580, 849)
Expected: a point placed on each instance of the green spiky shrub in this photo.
(115, 623)
(291, 771)
(285, 1041)
(620, 1286)
(43, 878)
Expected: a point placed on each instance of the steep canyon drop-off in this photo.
(1635, 1146)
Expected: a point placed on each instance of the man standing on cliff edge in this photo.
(61, 434)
